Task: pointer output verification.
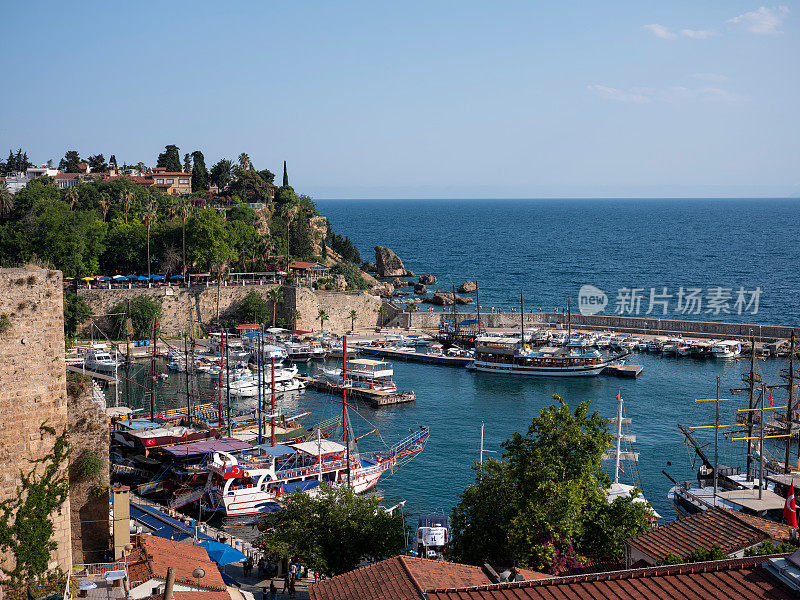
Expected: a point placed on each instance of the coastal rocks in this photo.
(388, 263)
(467, 287)
(382, 289)
(397, 282)
(420, 289)
(369, 267)
(427, 279)
(339, 283)
(442, 298)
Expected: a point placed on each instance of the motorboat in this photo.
(726, 349)
(97, 358)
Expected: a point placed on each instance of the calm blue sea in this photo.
(551, 248)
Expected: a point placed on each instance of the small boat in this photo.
(726, 349)
(364, 373)
(433, 534)
(97, 358)
(656, 344)
(684, 349)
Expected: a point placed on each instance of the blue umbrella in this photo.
(104, 278)
(222, 554)
(157, 277)
(141, 278)
(177, 277)
(120, 278)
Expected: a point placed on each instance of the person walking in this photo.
(273, 591)
(291, 587)
(285, 583)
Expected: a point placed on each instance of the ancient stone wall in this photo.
(177, 303)
(32, 384)
(88, 490)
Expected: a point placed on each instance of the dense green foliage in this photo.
(170, 159)
(15, 162)
(199, 175)
(697, 555)
(76, 311)
(768, 548)
(352, 275)
(142, 310)
(333, 531)
(26, 526)
(87, 466)
(543, 505)
(343, 246)
(70, 162)
(253, 309)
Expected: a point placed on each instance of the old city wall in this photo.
(178, 303)
(32, 385)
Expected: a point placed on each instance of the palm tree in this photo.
(322, 316)
(6, 200)
(411, 307)
(71, 196)
(382, 313)
(276, 297)
(149, 217)
(127, 198)
(103, 204)
(353, 316)
(244, 162)
(183, 211)
(295, 318)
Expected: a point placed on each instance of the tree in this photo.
(170, 159)
(554, 509)
(70, 162)
(285, 176)
(295, 318)
(267, 175)
(6, 201)
(382, 313)
(187, 163)
(103, 204)
(208, 240)
(76, 311)
(322, 316)
(221, 174)
(71, 196)
(244, 162)
(127, 199)
(184, 209)
(97, 163)
(199, 174)
(276, 297)
(333, 531)
(715, 552)
(254, 309)
(411, 307)
(285, 195)
(112, 161)
(149, 217)
(353, 316)
(142, 310)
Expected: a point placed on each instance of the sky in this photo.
(423, 99)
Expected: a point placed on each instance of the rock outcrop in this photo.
(388, 263)
(339, 283)
(420, 289)
(467, 287)
(382, 289)
(427, 279)
(442, 298)
(397, 282)
(369, 267)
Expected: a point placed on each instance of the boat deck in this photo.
(93, 374)
(451, 361)
(375, 398)
(629, 371)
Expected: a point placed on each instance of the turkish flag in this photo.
(770, 398)
(789, 509)
(618, 395)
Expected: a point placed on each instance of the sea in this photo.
(550, 249)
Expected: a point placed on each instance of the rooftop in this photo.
(154, 555)
(731, 530)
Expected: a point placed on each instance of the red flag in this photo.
(789, 509)
(618, 394)
(770, 398)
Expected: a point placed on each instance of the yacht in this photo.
(726, 349)
(97, 358)
(364, 373)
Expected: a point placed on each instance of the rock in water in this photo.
(388, 263)
(420, 289)
(467, 287)
(369, 267)
(397, 282)
(382, 289)
(443, 298)
(427, 279)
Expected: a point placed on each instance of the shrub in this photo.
(88, 465)
(143, 309)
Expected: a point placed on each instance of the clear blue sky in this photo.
(421, 99)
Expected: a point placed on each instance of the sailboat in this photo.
(623, 453)
(248, 484)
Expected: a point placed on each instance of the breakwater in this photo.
(204, 304)
(618, 323)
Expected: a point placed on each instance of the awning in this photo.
(222, 554)
(302, 486)
(163, 525)
(198, 448)
(316, 447)
(276, 450)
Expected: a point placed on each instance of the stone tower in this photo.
(32, 384)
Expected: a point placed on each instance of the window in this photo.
(170, 181)
(184, 181)
(159, 181)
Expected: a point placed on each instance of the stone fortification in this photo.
(32, 384)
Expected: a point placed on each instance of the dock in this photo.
(374, 398)
(110, 379)
(450, 361)
(628, 371)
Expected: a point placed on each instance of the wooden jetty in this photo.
(629, 371)
(375, 398)
(450, 361)
(110, 379)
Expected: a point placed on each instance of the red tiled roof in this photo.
(154, 555)
(400, 578)
(300, 264)
(702, 530)
(199, 595)
(63, 175)
(739, 579)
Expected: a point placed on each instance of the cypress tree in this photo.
(199, 173)
(170, 159)
(285, 176)
(112, 161)
(187, 163)
(10, 162)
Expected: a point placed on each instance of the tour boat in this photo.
(364, 373)
(98, 359)
(656, 344)
(433, 534)
(684, 349)
(511, 355)
(629, 344)
(726, 349)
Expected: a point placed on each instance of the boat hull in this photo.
(540, 371)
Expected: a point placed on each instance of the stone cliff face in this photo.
(388, 264)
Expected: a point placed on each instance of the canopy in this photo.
(164, 526)
(119, 278)
(104, 278)
(222, 554)
(302, 486)
(90, 278)
(315, 447)
(177, 277)
(157, 277)
(276, 450)
(199, 448)
(140, 278)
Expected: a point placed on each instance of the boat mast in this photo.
(128, 327)
(260, 396)
(228, 387)
(619, 437)
(319, 453)
(481, 458)
(344, 404)
(569, 320)
(521, 316)
(186, 372)
(716, 443)
(751, 389)
(219, 388)
(272, 407)
(478, 308)
(789, 401)
(153, 371)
